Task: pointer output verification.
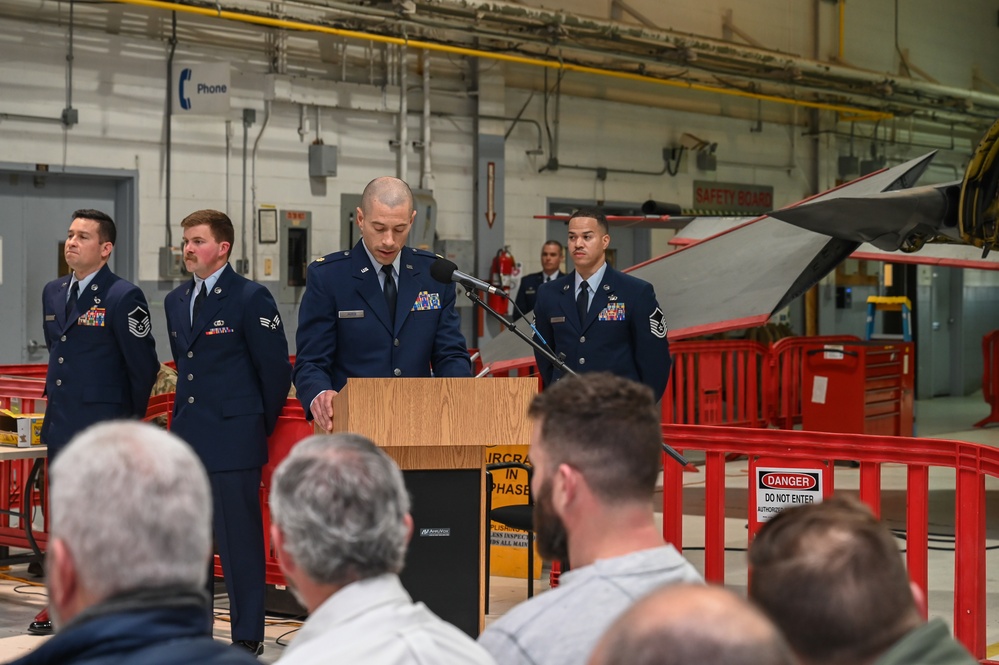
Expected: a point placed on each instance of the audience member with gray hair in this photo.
(692, 624)
(341, 525)
(130, 534)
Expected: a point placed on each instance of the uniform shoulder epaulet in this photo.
(332, 258)
(423, 252)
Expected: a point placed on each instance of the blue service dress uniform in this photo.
(527, 294)
(233, 376)
(102, 357)
(624, 331)
(344, 327)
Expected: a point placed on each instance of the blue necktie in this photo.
(74, 293)
(391, 292)
(582, 301)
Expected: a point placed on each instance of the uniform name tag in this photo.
(351, 314)
(50, 317)
(558, 319)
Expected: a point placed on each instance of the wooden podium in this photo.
(437, 431)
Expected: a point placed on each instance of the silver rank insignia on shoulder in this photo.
(271, 323)
(138, 322)
(657, 323)
(320, 259)
(364, 270)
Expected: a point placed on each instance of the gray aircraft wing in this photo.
(739, 277)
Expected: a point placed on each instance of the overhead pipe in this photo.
(403, 129)
(168, 147)
(253, 187)
(851, 112)
(426, 177)
(717, 47)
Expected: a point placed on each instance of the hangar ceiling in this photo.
(598, 58)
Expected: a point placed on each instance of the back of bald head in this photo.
(390, 192)
(682, 624)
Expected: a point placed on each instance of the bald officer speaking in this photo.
(374, 310)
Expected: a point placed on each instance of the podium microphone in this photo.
(445, 272)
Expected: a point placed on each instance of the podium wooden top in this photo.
(436, 412)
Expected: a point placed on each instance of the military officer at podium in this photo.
(599, 319)
(233, 376)
(374, 310)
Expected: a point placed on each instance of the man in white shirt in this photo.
(341, 524)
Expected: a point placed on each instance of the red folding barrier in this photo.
(971, 462)
(785, 376)
(717, 383)
(990, 376)
(34, 369)
(23, 393)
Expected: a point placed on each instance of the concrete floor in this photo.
(22, 595)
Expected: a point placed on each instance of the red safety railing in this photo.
(33, 369)
(717, 383)
(971, 462)
(517, 367)
(22, 394)
(990, 376)
(785, 376)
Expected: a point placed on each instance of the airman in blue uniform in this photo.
(613, 324)
(102, 357)
(374, 310)
(233, 377)
(551, 262)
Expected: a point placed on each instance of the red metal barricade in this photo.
(30, 370)
(971, 462)
(785, 376)
(990, 377)
(717, 383)
(24, 394)
(516, 367)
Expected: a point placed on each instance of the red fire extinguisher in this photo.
(501, 274)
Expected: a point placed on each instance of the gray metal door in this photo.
(35, 215)
(941, 322)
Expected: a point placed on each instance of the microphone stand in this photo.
(549, 356)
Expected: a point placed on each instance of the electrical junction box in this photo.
(172, 263)
(322, 160)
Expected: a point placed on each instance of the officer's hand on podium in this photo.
(322, 409)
